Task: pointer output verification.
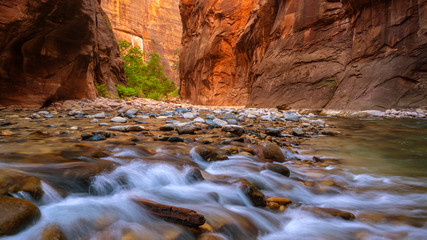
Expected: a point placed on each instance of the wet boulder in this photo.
(280, 169)
(252, 192)
(270, 151)
(209, 154)
(194, 175)
(279, 200)
(234, 129)
(184, 216)
(16, 215)
(12, 181)
(53, 232)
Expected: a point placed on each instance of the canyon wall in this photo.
(153, 25)
(55, 50)
(336, 54)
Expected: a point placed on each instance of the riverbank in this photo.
(105, 168)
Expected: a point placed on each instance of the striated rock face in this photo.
(54, 50)
(338, 54)
(153, 25)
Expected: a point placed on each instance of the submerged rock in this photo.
(253, 193)
(16, 215)
(209, 154)
(194, 175)
(184, 216)
(277, 168)
(13, 181)
(332, 212)
(53, 232)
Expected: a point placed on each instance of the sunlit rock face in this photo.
(154, 25)
(55, 50)
(339, 54)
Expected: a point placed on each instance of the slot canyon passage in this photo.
(293, 120)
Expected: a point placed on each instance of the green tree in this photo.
(144, 78)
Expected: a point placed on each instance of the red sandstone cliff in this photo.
(154, 25)
(339, 54)
(54, 50)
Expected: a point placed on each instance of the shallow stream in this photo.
(375, 169)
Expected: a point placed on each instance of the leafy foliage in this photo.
(125, 92)
(144, 78)
(102, 90)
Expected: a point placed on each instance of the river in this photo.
(375, 169)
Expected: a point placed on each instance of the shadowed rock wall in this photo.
(338, 54)
(54, 50)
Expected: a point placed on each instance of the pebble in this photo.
(232, 121)
(229, 116)
(48, 116)
(167, 127)
(220, 122)
(186, 128)
(175, 139)
(127, 128)
(128, 115)
(118, 119)
(291, 117)
(275, 132)
(199, 120)
(234, 129)
(34, 116)
(99, 115)
(94, 121)
(132, 111)
(297, 132)
(212, 124)
(188, 115)
(103, 124)
(266, 118)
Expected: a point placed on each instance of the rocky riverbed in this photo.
(141, 169)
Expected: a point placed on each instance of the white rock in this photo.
(266, 118)
(220, 122)
(188, 115)
(94, 121)
(142, 116)
(118, 119)
(199, 119)
(99, 115)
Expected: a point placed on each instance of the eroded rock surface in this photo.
(55, 50)
(341, 54)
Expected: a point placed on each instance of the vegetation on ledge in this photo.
(145, 78)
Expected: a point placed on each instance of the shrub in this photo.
(102, 90)
(145, 78)
(126, 91)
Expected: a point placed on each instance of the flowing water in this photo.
(375, 169)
